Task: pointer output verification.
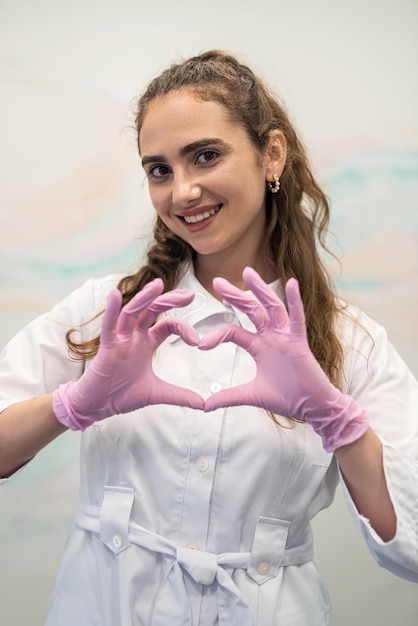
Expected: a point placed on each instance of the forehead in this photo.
(180, 118)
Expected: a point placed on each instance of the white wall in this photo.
(73, 205)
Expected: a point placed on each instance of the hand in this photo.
(120, 378)
(289, 380)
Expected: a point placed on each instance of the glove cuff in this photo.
(64, 412)
(343, 425)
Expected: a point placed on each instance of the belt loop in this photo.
(268, 548)
(114, 517)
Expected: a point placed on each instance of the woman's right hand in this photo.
(120, 378)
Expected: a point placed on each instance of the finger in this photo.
(236, 396)
(166, 393)
(275, 308)
(295, 306)
(242, 301)
(111, 315)
(171, 326)
(141, 300)
(170, 300)
(236, 334)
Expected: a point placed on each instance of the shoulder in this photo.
(371, 360)
(83, 305)
(379, 379)
(356, 328)
(90, 296)
(365, 343)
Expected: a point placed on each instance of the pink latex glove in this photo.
(120, 377)
(289, 380)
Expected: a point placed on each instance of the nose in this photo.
(185, 191)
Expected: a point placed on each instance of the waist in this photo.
(268, 554)
(112, 521)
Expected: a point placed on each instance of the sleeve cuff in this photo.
(400, 554)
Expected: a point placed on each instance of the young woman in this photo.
(217, 422)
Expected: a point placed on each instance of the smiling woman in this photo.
(227, 390)
(201, 154)
(193, 182)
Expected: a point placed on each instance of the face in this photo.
(206, 180)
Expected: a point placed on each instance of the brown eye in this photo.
(207, 156)
(157, 172)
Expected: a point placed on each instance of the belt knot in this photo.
(202, 566)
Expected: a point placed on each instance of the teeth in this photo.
(192, 219)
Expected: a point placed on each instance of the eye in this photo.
(158, 172)
(206, 157)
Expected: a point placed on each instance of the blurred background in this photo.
(74, 204)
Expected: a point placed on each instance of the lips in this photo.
(200, 217)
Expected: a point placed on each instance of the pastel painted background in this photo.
(73, 204)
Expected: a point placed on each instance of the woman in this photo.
(190, 512)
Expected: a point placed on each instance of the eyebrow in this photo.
(191, 147)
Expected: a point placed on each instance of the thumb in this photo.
(167, 393)
(236, 396)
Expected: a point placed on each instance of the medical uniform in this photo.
(189, 518)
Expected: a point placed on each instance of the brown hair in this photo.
(297, 216)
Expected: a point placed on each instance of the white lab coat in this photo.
(187, 518)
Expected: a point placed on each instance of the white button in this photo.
(215, 387)
(263, 568)
(202, 464)
(117, 541)
(229, 317)
(192, 546)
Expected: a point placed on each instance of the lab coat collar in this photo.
(205, 305)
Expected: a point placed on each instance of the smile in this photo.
(193, 219)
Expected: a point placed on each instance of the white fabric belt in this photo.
(172, 604)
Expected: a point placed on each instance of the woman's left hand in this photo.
(289, 380)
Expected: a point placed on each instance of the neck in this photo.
(209, 267)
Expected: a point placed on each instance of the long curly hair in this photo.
(297, 217)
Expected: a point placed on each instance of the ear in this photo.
(276, 155)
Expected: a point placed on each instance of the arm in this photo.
(382, 383)
(361, 464)
(34, 363)
(26, 427)
(290, 382)
(120, 378)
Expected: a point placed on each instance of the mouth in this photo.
(200, 217)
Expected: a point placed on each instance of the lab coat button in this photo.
(263, 568)
(202, 464)
(215, 387)
(192, 546)
(229, 317)
(117, 541)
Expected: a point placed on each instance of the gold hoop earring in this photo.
(274, 186)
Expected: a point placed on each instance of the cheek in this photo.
(158, 200)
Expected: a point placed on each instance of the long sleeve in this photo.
(36, 360)
(382, 384)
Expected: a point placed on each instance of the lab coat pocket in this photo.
(268, 548)
(114, 517)
(114, 522)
